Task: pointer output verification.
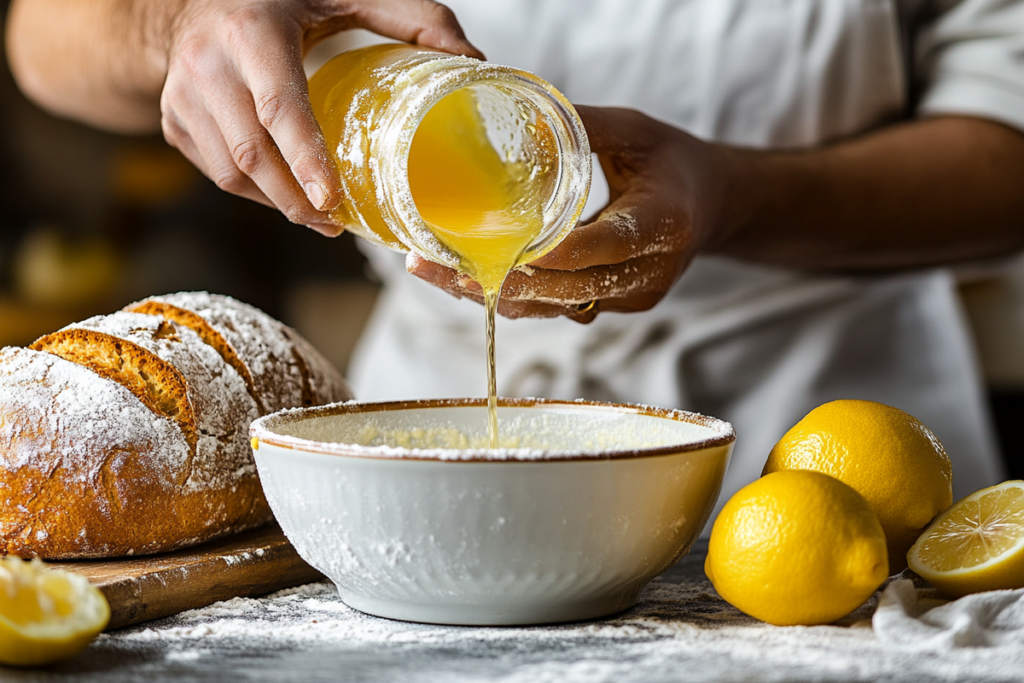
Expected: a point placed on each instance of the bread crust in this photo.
(90, 471)
(323, 381)
(127, 434)
(281, 369)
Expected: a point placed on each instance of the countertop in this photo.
(680, 631)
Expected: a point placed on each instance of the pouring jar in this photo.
(369, 103)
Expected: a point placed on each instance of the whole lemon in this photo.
(888, 456)
(796, 548)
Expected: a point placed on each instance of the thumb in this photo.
(614, 131)
(421, 22)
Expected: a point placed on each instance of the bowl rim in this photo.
(261, 432)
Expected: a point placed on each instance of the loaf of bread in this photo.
(127, 433)
(279, 367)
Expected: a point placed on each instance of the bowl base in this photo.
(503, 613)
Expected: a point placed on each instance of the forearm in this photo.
(923, 193)
(99, 61)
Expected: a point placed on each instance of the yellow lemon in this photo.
(796, 548)
(976, 545)
(46, 614)
(889, 457)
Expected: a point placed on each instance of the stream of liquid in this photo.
(485, 208)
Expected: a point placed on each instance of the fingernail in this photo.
(316, 195)
(327, 229)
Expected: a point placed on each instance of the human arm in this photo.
(222, 80)
(922, 193)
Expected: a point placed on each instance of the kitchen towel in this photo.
(920, 618)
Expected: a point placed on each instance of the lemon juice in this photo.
(485, 208)
(476, 166)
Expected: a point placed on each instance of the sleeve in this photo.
(969, 59)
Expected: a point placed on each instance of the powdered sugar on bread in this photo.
(128, 433)
(284, 369)
(216, 393)
(56, 414)
(249, 338)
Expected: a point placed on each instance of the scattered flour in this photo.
(681, 629)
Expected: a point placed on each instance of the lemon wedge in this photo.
(976, 545)
(46, 614)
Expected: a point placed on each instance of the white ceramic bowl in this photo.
(607, 497)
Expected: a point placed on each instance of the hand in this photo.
(235, 100)
(665, 189)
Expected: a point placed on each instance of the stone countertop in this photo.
(680, 631)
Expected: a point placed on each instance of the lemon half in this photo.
(976, 545)
(46, 614)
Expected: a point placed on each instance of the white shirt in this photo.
(754, 345)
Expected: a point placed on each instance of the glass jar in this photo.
(369, 103)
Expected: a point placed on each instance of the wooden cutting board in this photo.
(139, 589)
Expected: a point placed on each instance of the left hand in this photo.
(665, 189)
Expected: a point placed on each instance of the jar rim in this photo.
(439, 78)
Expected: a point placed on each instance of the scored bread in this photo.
(89, 469)
(128, 433)
(174, 373)
(280, 368)
(166, 365)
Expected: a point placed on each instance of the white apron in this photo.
(753, 345)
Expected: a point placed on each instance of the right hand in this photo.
(235, 100)
(667, 189)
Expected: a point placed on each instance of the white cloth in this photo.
(971, 60)
(912, 618)
(754, 345)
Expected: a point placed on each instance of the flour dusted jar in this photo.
(472, 165)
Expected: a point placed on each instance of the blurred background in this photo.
(91, 221)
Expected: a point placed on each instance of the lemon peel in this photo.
(885, 454)
(797, 547)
